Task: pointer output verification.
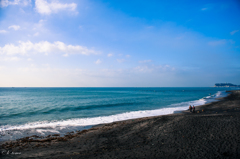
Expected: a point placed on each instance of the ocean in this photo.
(44, 111)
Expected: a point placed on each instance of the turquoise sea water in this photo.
(42, 111)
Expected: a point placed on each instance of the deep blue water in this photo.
(46, 110)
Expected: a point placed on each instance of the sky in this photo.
(118, 43)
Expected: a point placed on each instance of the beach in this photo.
(211, 132)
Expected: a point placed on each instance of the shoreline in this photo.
(134, 130)
(26, 130)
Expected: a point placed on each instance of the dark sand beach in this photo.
(211, 132)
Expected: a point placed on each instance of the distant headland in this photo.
(225, 85)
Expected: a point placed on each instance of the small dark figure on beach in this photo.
(193, 109)
(190, 108)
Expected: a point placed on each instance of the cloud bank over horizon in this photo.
(45, 47)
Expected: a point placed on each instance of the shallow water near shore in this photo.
(43, 111)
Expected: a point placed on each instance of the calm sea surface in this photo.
(42, 111)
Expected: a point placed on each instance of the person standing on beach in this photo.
(193, 109)
(190, 108)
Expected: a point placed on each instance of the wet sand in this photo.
(211, 132)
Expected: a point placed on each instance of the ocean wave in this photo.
(68, 108)
(63, 126)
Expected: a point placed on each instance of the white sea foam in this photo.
(63, 126)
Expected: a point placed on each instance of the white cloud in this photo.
(128, 56)
(110, 55)
(145, 61)
(3, 31)
(218, 42)
(233, 32)
(98, 61)
(26, 48)
(5, 3)
(14, 27)
(46, 7)
(29, 59)
(203, 9)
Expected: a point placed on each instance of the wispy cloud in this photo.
(153, 68)
(120, 60)
(203, 9)
(14, 58)
(14, 27)
(46, 7)
(234, 31)
(145, 61)
(218, 42)
(36, 34)
(26, 48)
(98, 61)
(29, 59)
(5, 3)
(3, 31)
(110, 55)
(39, 24)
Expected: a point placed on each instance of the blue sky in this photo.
(116, 43)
